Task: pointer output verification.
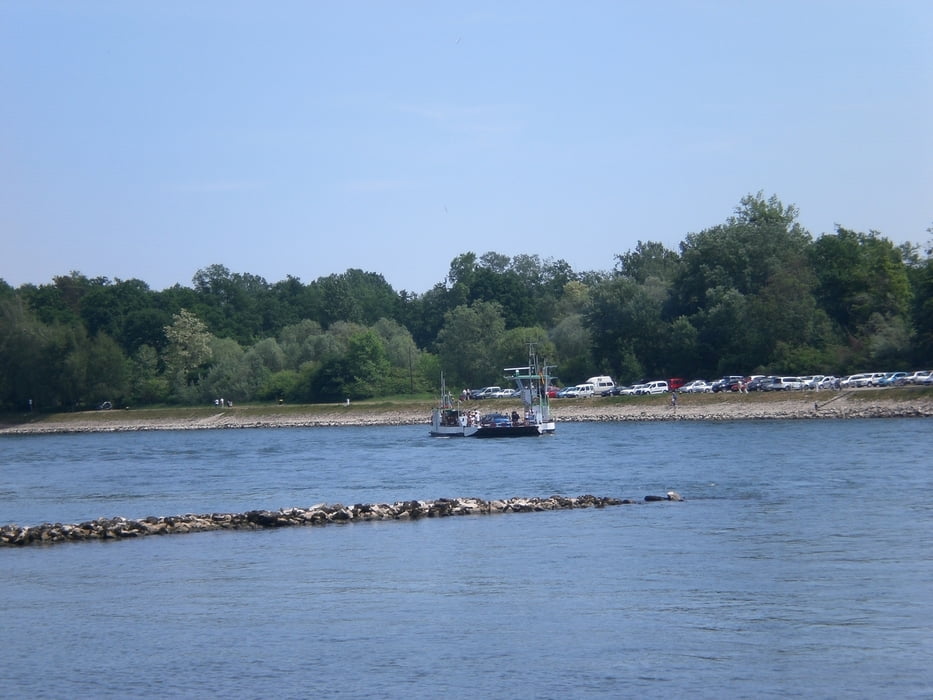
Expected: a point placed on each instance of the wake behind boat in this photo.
(453, 419)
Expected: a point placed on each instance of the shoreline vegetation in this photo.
(904, 402)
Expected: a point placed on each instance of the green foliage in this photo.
(648, 261)
(234, 374)
(514, 347)
(280, 386)
(922, 315)
(107, 374)
(859, 275)
(467, 344)
(572, 345)
(354, 296)
(625, 318)
(742, 254)
(753, 294)
(187, 354)
(147, 383)
(681, 350)
(300, 342)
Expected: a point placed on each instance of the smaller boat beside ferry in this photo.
(452, 418)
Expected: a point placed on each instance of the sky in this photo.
(149, 140)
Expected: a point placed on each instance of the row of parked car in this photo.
(609, 388)
(923, 377)
(814, 382)
(604, 386)
(489, 392)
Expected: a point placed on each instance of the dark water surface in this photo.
(801, 564)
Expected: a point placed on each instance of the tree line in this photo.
(755, 294)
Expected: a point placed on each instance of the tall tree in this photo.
(467, 344)
(649, 260)
(860, 274)
(762, 237)
(626, 321)
(188, 351)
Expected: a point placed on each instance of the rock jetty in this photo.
(322, 514)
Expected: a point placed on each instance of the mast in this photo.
(533, 381)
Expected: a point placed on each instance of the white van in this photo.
(580, 391)
(658, 387)
(602, 385)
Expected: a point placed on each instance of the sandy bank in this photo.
(822, 405)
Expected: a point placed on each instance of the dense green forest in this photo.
(755, 294)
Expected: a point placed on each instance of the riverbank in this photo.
(862, 403)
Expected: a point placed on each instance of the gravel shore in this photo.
(822, 405)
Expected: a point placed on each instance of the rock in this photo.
(123, 528)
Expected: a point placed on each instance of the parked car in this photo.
(485, 393)
(774, 384)
(697, 386)
(757, 384)
(828, 383)
(581, 391)
(812, 381)
(656, 387)
(855, 381)
(727, 383)
(602, 385)
(893, 379)
(794, 383)
(506, 394)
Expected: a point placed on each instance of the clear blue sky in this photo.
(151, 139)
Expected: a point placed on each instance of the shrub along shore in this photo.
(860, 403)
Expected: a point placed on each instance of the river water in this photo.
(801, 564)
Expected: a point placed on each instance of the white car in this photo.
(658, 387)
(486, 393)
(854, 381)
(580, 391)
(812, 381)
(828, 383)
(793, 383)
(506, 394)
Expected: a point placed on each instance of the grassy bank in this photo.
(407, 409)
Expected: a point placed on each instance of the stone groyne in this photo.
(123, 528)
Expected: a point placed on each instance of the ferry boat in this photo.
(452, 419)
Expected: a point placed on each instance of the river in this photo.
(800, 564)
